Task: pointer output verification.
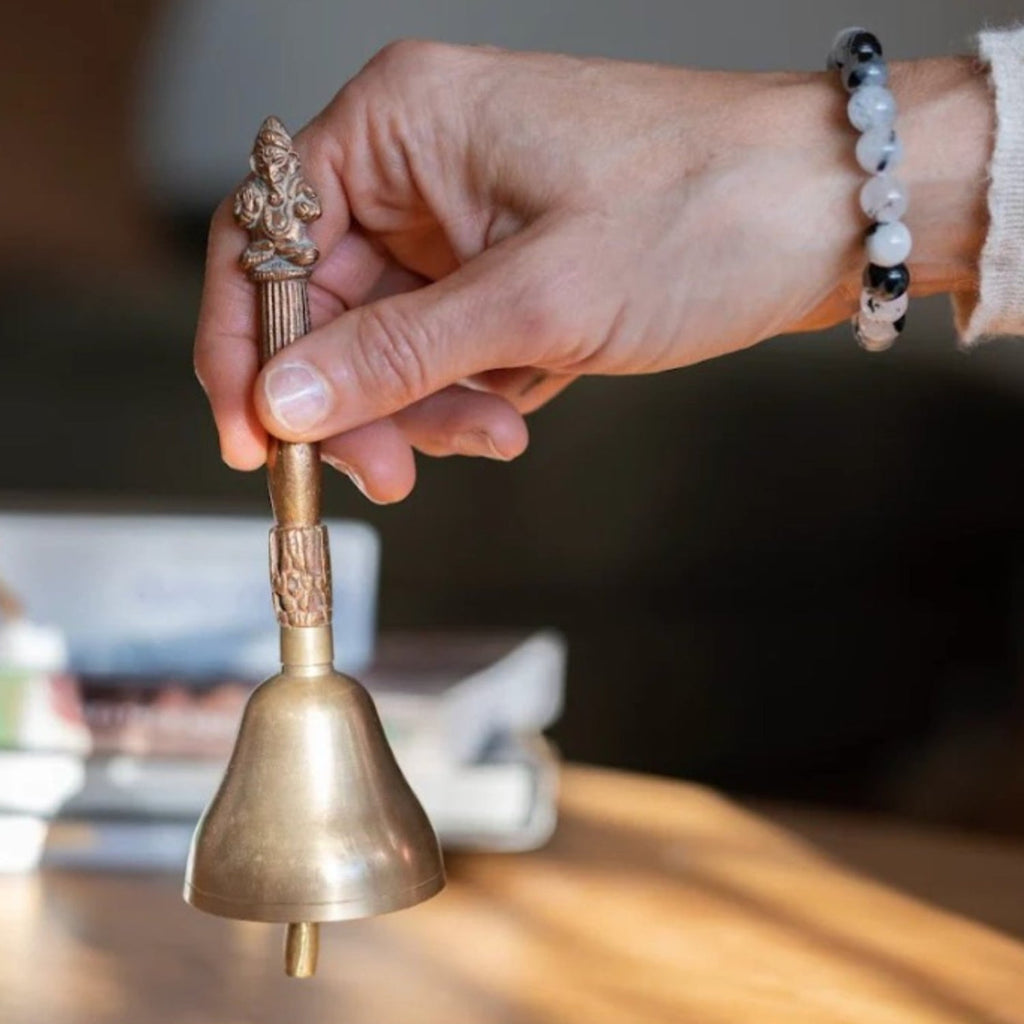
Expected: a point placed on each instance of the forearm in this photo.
(799, 123)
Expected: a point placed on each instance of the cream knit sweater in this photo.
(998, 307)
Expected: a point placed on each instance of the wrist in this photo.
(947, 122)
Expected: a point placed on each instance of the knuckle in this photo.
(387, 347)
(347, 107)
(545, 309)
(408, 58)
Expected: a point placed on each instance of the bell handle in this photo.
(274, 204)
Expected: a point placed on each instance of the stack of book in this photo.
(108, 756)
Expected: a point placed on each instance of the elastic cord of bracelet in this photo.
(857, 55)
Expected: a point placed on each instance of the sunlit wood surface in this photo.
(657, 902)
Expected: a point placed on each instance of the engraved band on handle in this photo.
(274, 204)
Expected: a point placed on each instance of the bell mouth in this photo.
(370, 905)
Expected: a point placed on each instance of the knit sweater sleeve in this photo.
(997, 306)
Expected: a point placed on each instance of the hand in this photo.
(497, 224)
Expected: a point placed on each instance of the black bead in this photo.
(886, 282)
(864, 46)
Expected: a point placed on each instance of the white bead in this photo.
(884, 198)
(889, 244)
(871, 106)
(879, 150)
(860, 74)
(888, 311)
(874, 335)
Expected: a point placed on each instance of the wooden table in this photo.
(657, 902)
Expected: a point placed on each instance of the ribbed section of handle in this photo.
(293, 469)
(284, 309)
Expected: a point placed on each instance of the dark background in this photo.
(794, 572)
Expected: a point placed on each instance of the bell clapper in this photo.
(301, 946)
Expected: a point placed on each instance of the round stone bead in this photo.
(871, 72)
(853, 45)
(887, 310)
(838, 54)
(874, 335)
(883, 198)
(871, 106)
(864, 46)
(886, 282)
(879, 150)
(888, 244)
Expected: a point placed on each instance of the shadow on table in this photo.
(753, 882)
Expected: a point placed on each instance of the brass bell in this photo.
(313, 820)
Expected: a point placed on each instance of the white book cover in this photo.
(145, 594)
(444, 697)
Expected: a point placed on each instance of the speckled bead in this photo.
(886, 282)
(874, 335)
(888, 244)
(853, 46)
(879, 150)
(886, 310)
(883, 198)
(838, 54)
(870, 107)
(859, 76)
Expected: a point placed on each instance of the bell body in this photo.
(313, 820)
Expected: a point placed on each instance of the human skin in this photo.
(497, 224)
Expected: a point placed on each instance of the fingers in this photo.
(226, 358)
(377, 458)
(386, 356)
(457, 421)
(526, 387)
(354, 272)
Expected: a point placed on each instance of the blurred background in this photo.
(797, 572)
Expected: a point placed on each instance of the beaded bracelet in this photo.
(857, 55)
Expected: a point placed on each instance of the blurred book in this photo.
(442, 697)
(464, 715)
(174, 594)
(504, 802)
(40, 705)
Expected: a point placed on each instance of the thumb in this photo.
(380, 358)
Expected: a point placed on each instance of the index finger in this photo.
(226, 354)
